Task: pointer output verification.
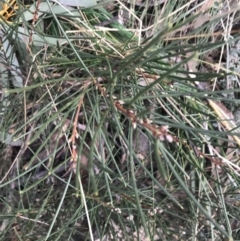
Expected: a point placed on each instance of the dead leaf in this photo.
(226, 117)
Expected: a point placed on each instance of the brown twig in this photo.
(75, 134)
(160, 132)
(35, 18)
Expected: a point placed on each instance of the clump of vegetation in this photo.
(119, 120)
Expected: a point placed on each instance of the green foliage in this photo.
(107, 132)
